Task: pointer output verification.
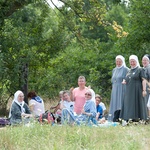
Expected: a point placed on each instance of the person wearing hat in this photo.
(118, 89)
(134, 107)
(19, 111)
(146, 66)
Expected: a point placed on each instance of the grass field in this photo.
(47, 137)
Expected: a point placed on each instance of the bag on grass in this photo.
(4, 122)
(47, 117)
(116, 116)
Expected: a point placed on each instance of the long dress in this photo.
(147, 70)
(134, 104)
(118, 90)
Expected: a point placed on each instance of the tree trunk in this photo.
(24, 87)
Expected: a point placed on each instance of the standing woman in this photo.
(146, 66)
(133, 105)
(118, 89)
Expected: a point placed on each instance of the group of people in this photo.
(130, 89)
(76, 106)
(80, 105)
(129, 97)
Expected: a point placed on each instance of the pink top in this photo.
(79, 98)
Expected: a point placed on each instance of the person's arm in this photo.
(124, 81)
(71, 94)
(31, 107)
(27, 111)
(57, 107)
(62, 105)
(99, 112)
(92, 110)
(85, 113)
(144, 87)
(97, 115)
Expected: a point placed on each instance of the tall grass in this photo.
(46, 137)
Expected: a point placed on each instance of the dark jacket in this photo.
(16, 113)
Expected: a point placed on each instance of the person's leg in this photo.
(67, 117)
(149, 113)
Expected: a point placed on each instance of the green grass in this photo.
(46, 137)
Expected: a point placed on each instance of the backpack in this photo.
(4, 122)
(47, 117)
(116, 116)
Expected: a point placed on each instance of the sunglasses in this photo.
(88, 94)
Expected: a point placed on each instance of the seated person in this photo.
(66, 104)
(98, 97)
(36, 104)
(57, 107)
(88, 112)
(66, 101)
(99, 109)
(19, 111)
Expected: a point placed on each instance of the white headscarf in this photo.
(93, 95)
(123, 60)
(21, 104)
(136, 59)
(145, 56)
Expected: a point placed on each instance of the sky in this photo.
(59, 4)
(56, 2)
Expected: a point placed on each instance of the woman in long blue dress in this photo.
(134, 107)
(118, 89)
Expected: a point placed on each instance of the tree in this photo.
(29, 36)
(138, 41)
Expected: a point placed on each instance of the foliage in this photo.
(76, 60)
(28, 38)
(137, 42)
(48, 49)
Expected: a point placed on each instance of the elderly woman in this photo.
(88, 113)
(118, 89)
(19, 112)
(146, 66)
(134, 107)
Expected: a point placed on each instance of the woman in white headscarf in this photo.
(146, 66)
(134, 107)
(19, 111)
(88, 113)
(118, 89)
